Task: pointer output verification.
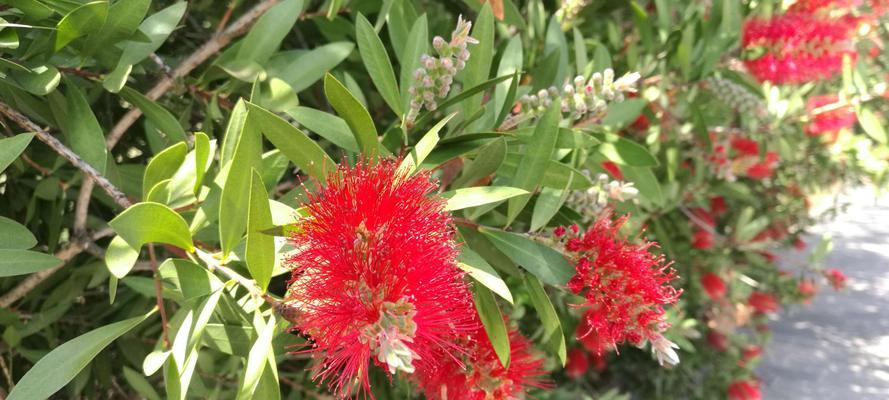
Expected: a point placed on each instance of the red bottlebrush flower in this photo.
(613, 170)
(836, 278)
(747, 147)
(713, 285)
(479, 375)
(797, 48)
(702, 239)
(763, 302)
(751, 352)
(375, 279)
(624, 285)
(744, 390)
(806, 290)
(830, 121)
(559, 231)
(703, 215)
(799, 244)
(577, 364)
(588, 337)
(764, 168)
(600, 361)
(717, 205)
(717, 340)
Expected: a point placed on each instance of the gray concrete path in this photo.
(838, 347)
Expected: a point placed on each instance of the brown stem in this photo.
(81, 207)
(159, 293)
(211, 47)
(50, 140)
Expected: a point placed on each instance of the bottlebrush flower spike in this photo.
(744, 390)
(829, 121)
(624, 285)
(578, 363)
(375, 276)
(797, 48)
(713, 285)
(836, 278)
(763, 302)
(479, 375)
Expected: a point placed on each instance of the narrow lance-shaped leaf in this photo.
(376, 60)
(235, 196)
(553, 336)
(539, 151)
(293, 143)
(159, 116)
(260, 252)
(152, 222)
(492, 320)
(355, 115)
(20, 262)
(541, 260)
(483, 273)
(163, 166)
(79, 22)
(12, 147)
(256, 361)
(425, 146)
(14, 235)
(60, 366)
(480, 195)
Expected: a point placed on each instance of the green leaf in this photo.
(425, 146)
(303, 69)
(20, 262)
(202, 159)
(79, 124)
(81, 21)
(233, 206)
(157, 27)
(872, 125)
(12, 147)
(260, 253)
(140, 384)
(479, 65)
(646, 182)
(414, 48)
(293, 143)
(825, 246)
(479, 195)
(510, 64)
(159, 116)
(269, 31)
(54, 370)
(377, 62)
(532, 169)
(463, 95)
(622, 114)
(152, 223)
(120, 257)
(624, 151)
(191, 279)
(39, 80)
(9, 39)
(123, 21)
(482, 272)
(539, 259)
(356, 116)
(163, 166)
(489, 159)
(549, 201)
(492, 320)
(233, 131)
(553, 337)
(14, 235)
(256, 361)
(326, 125)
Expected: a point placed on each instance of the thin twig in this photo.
(6, 373)
(225, 17)
(81, 207)
(118, 196)
(216, 43)
(214, 265)
(159, 293)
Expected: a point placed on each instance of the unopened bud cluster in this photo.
(568, 12)
(736, 96)
(583, 98)
(591, 202)
(435, 76)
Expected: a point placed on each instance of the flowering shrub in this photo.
(499, 199)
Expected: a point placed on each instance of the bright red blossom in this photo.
(828, 121)
(577, 364)
(797, 48)
(807, 290)
(717, 205)
(836, 278)
(713, 285)
(744, 390)
(613, 170)
(702, 239)
(763, 302)
(376, 280)
(624, 285)
(813, 6)
(479, 375)
(717, 340)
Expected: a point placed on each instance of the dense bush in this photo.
(411, 198)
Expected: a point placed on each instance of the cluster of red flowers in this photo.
(744, 390)
(625, 286)
(704, 222)
(797, 47)
(713, 285)
(740, 156)
(829, 122)
(763, 303)
(836, 278)
(479, 375)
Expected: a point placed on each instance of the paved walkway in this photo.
(838, 347)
